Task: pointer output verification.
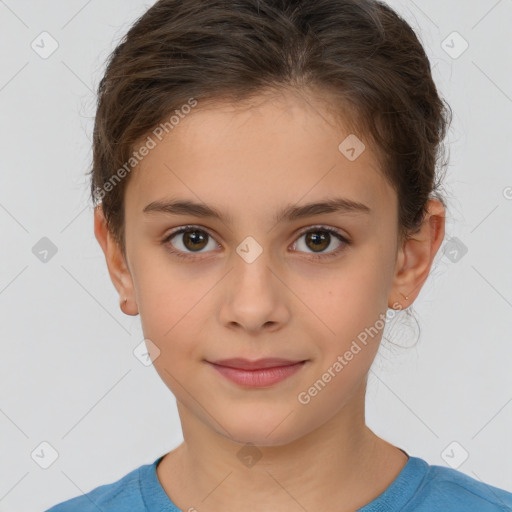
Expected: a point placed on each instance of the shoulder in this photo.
(122, 495)
(453, 491)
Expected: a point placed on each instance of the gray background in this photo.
(68, 376)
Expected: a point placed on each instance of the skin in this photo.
(250, 161)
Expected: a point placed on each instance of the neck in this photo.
(341, 465)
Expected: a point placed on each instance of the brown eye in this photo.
(194, 239)
(319, 239)
(189, 240)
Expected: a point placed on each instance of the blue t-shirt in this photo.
(419, 487)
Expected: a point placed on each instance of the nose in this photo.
(254, 296)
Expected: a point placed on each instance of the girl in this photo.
(265, 179)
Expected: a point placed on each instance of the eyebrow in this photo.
(289, 213)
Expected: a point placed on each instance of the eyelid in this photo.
(324, 227)
(301, 231)
(186, 227)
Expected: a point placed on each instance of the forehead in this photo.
(254, 157)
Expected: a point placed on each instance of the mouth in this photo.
(257, 374)
(260, 364)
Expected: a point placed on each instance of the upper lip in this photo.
(245, 364)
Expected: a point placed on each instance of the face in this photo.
(255, 284)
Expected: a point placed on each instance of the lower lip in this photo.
(258, 378)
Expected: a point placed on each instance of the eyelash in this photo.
(190, 256)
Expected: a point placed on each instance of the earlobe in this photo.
(116, 263)
(417, 255)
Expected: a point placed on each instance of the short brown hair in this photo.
(365, 58)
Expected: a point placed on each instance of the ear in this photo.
(116, 263)
(416, 256)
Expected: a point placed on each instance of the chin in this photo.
(262, 430)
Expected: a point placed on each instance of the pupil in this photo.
(319, 241)
(195, 237)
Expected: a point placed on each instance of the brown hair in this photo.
(359, 55)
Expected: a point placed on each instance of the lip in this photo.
(256, 374)
(259, 364)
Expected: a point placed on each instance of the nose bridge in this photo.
(258, 293)
(253, 262)
(252, 297)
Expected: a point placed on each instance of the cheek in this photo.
(350, 298)
(172, 302)
(350, 311)
(165, 293)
